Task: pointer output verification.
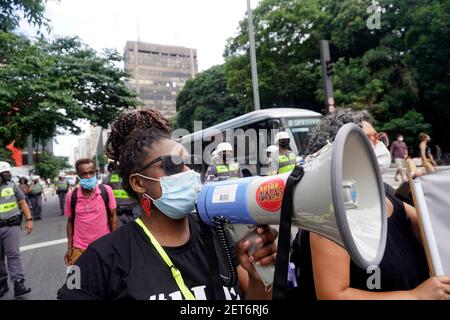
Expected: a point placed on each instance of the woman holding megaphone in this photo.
(326, 270)
(167, 253)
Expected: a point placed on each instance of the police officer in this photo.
(61, 189)
(286, 158)
(36, 191)
(224, 167)
(272, 160)
(127, 209)
(12, 202)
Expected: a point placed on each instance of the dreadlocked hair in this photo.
(132, 136)
(330, 124)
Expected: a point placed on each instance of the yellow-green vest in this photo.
(62, 186)
(287, 162)
(36, 188)
(8, 202)
(122, 197)
(230, 170)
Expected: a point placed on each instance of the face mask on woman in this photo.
(383, 156)
(178, 193)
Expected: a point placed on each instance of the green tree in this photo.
(63, 163)
(286, 41)
(402, 67)
(410, 125)
(46, 86)
(48, 166)
(31, 10)
(5, 155)
(206, 98)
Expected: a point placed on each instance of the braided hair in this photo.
(131, 138)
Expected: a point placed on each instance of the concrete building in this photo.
(90, 144)
(159, 72)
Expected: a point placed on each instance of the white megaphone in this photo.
(340, 197)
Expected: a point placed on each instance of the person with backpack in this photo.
(90, 209)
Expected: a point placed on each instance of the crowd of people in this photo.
(139, 221)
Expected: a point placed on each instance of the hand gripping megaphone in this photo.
(340, 197)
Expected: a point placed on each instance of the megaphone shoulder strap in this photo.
(284, 235)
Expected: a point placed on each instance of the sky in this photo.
(201, 24)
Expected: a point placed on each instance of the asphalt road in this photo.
(43, 250)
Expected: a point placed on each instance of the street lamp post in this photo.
(253, 57)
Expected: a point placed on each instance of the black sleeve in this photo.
(93, 276)
(389, 190)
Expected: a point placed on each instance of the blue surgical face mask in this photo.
(88, 184)
(178, 193)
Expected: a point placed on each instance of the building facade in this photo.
(159, 72)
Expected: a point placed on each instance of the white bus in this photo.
(250, 134)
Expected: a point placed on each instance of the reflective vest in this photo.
(36, 189)
(123, 199)
(62, 186)
(287, 162)
(8, 202)
(230, 170)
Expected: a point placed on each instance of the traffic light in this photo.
(329, 67)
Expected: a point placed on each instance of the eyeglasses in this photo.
(172, 164)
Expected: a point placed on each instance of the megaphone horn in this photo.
(340, 196)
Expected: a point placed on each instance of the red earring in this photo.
(146, 206)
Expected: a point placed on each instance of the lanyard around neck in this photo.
(176, 274)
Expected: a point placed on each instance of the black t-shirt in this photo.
(125, 265)
(403, 266)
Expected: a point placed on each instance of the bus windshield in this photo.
(300, 128)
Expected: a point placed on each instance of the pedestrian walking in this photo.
(36, 192)
(12, 207)
(425, 153)
(399, 152)
(61, 188)
(90, 209)
(24, 187)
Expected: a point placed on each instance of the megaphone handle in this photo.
(265, 272)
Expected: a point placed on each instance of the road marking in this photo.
(42, 244)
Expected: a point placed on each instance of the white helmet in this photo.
(4, 166)
(272, 148)
(62, 175)
(35, 177)
(281, 135)
(224, 146)
(215, 155)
